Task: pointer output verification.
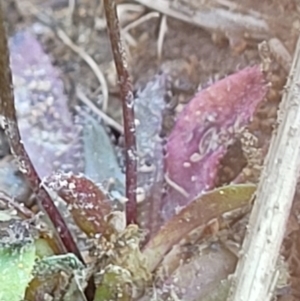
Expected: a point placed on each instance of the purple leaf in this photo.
(204, 130)
(45, 122)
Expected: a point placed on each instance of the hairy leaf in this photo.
(203, 131)
(58, 276)
(101, 163)
(12, 182)
(11, 128)
(47, 130)
(87, 203)
(115, 285)
(149, 108)
(203, 209)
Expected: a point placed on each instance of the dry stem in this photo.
(128, 107)
(256, 274)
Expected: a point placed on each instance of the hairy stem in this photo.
(128, 107)
(8, 112)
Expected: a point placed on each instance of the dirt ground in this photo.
(193, 56)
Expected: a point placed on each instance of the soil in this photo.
(190, 55)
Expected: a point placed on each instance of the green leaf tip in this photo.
(17, 258)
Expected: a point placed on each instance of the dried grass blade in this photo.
(255, 276)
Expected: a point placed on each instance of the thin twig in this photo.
(71, 10)
(128, 107)
(163, 28)
(256, 271)
(280, 53)
(130, 40)
(90, 61)
(17, 147)
(108, 120)
(122, 8)
(72, 5)
(140, 20)
(19, 208)
(123, 13)
(125, 31)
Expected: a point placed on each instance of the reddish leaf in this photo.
(86, 202)
(204, 130)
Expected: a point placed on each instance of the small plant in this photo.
(142, 251)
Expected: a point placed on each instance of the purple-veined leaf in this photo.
(204, 129)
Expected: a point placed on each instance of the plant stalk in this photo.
(127, 98)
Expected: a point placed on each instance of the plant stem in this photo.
(7, 109)
(128, 107)
(256, 274)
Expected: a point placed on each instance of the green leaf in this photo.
(203, 209)
(115, 285)
(17, 256)
(43, 248)
(101, 164)
(62, 276)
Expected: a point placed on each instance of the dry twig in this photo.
(139, 21)
(256, 272)
(108, 120)
(163, 28)
(90, 61)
